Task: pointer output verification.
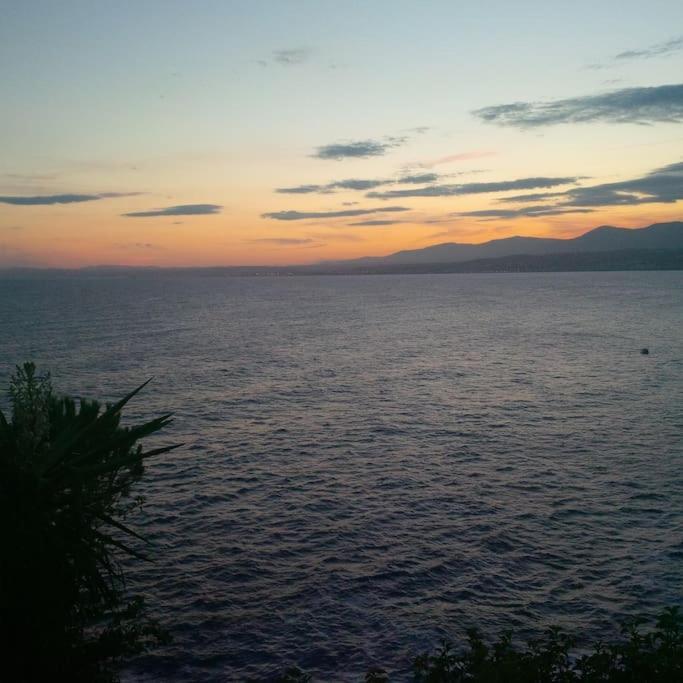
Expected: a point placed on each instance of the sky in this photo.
(160, 132)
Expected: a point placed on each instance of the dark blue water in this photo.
(374, 462)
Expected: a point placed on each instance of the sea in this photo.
(371, 464)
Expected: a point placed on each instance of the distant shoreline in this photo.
(595, 261)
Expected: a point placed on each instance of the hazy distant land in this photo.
(606, 248)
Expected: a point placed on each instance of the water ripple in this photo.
(374, 463)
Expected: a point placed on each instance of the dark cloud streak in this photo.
(526, 211)
(346, 184)
(180, 210)
(358, 149)
(659, 104)
(48, 200)
(303, 189)
(418, 179)
(356, 184)
(660, 186)
(473, 188)
(659, 50)
(346, 213)
(663, 185)
(531, 197)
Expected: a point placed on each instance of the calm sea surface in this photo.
(372, 463)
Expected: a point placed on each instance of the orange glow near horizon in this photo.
(56, 239)
(244, 189)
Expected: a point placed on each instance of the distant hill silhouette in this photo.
(657, 247)
(605, 238)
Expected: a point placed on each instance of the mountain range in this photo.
(656, 247)
(605, 238)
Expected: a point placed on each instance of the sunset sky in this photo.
(246, 132)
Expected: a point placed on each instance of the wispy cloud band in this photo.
(179, 210)
(526, 211)
(474, 188)
(47, 200)
(375, 223)
(659, 50)
(661, 186)
(662, 103)
(345, 213)
(358, 149)
(359, 184)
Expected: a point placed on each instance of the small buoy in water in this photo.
(645, 351)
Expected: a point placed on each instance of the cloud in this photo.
(418, 178)
(462, 156)
(360, 184)
(303, 215)
(526, 211)
(358, 149)
(302, 189)
(347, 184)
(660, 186)
(282, 241)
(291, 56)
(180, 210)
(376, 223)
(663, 103)
(473, 188)
(530, 197)
(48, 200)
(658, 50)
(664, 49)
(356, 184)
(663, 185)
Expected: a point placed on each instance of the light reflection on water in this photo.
(374, 462)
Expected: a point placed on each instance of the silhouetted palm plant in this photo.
(66, 474)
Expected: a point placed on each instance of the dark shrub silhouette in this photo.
(67, 471)
(654, 656)
(643, 655)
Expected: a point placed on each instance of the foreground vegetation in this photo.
(643, 655)
(67, 477)
(67, 473)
